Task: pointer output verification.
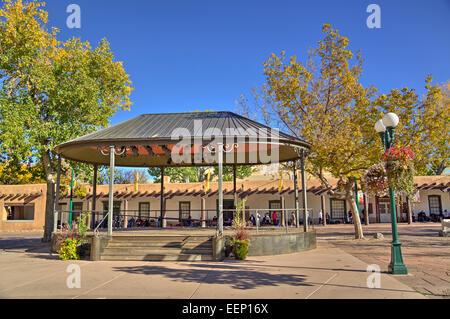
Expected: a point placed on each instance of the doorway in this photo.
(228, 211)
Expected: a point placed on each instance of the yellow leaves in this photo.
(11, 173)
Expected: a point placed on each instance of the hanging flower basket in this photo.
(400, 169)
(375, 181)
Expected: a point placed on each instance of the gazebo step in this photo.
(177, 247)
(123, 251)
(145, 244)
(161, 257)
(160, 245)
(161, 238)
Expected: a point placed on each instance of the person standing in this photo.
(446, 214)
(294, 219)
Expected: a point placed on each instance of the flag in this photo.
(136, 182)
(361, 198)
(280, 188)
(208, 175)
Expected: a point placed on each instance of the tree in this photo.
(198, 174)
(52, 91)
(423, 124)
(242, 171)
(323, 102)
(121, 176)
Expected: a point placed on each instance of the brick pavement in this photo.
(426, 255)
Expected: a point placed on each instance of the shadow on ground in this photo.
(235, 276)
(25, 245)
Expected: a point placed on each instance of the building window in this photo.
(274, 204)
(338, 208)
(77, 206)
(185, 210)
(62, 207)
(144, 209)
(116, 208)
(385, 205)
(434, 202)
(19, 212)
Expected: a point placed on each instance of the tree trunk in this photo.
(408, 203)
(440, 169)
(366, 209)
(50, 200)
(356, 220)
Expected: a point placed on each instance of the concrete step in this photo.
(156, 245)
(145, 244)
(123, 251)
(155, 248)
(156, 257)
(161, 238)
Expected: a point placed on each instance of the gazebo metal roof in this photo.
(185, 139)
(152, 137)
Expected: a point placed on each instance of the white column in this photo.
(220, 162)
(111, 190)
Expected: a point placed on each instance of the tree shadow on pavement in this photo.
(24, 245)
(235, 277)
(251, 264)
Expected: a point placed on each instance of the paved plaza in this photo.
(336, 269)
(426, 255)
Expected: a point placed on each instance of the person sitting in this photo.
(267, 219)
(131, 222)
(252, 220)
(189, 221)
(446, 214)
(422, 217)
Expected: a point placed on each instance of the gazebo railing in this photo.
(139, 219)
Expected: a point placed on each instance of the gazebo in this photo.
(186, 139)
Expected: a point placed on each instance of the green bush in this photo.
(241, 248)
(69, 249)
(82, 228)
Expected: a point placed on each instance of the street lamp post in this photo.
(385, 128)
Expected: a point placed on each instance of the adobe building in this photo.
(23, 206)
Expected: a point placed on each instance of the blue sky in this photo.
(197, 55)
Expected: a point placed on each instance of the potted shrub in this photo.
(74, 243)
(240, 241)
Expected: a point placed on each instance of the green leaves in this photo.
(323, 101)
(423, 124)
(52, 91)
(197, 174)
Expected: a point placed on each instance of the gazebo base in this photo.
(194, 244)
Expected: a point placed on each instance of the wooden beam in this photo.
(136, 195)
(165, 149)
(135, 150)
(149, 150)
